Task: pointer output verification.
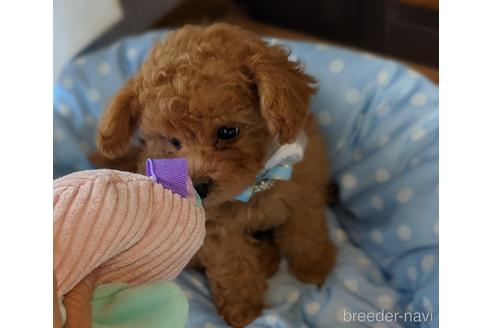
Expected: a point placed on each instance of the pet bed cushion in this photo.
(380, 121)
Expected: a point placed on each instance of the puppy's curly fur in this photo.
(199, 80)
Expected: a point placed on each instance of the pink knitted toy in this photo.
(116, 226)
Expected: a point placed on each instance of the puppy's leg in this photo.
(236, 276)
(268, 256)
(266, 250)
(303, 239)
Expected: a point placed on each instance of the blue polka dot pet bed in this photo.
(380, 120)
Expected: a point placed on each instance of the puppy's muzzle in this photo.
(202, 187)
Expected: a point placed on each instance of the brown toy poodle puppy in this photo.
(223, 99)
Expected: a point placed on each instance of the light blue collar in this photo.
(278, 167)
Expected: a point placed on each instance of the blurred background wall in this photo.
(404, 29)
(84, 25)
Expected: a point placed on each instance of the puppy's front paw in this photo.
(268, 258)
(239, 298)
(239, 314)
(315, 266)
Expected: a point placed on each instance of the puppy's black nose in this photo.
(201, 188)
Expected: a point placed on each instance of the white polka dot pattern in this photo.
(383, 77)
(357, 155)
(386, 302)
(293, 296)
(89, 121)
(80, 61)
(93, 95)
(412, 73)
(380, 124)
(340, 236)
(404, 232)
(377, 202)
(418, 134)
(341, 314)
(58, 135)
(419, 100)
(382, 175)
(412, 273)
(383, 141)
(379, 325)
(67, 83)
(352, 285)
(312, 308)
(85, 147)
(271, 319)
(64, 110)
(382, 110)
(324, 118)
(104, 68)
(377, 236)
(321, 46)
(427, 304)
(415, 162)
(340, 144)
(428, 263)
(349, 181)
(131, 53)
(336, 66)
(363, 262)
(352, 96)
(404, 195)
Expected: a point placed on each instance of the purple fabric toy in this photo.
(172, 173)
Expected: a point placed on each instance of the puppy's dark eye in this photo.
(227, 133)
(175, 142)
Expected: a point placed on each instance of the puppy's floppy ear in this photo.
(284, 92)
(118, 122)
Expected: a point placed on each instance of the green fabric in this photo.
(160, 304)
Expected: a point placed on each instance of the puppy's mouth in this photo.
(202, 187)
(211, 199)
(207, 190)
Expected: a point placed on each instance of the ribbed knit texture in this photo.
(125, 226)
